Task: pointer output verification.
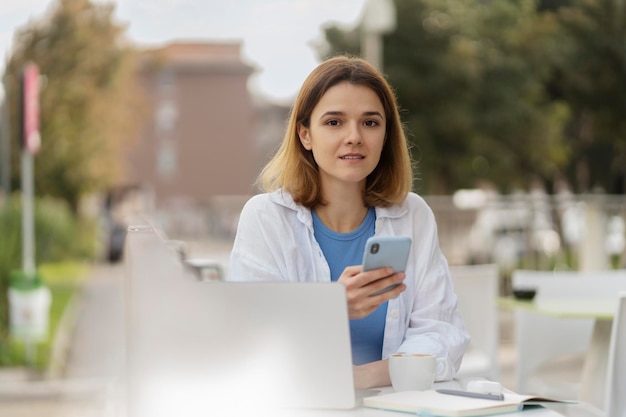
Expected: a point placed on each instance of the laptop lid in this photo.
(207, 348)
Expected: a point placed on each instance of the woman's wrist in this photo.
(370, 375)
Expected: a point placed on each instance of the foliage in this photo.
(501, 91)
(89, 103)
(592, 79)
(59, 237)
(63, 279)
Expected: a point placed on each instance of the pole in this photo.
(379, 18)
(28, 239)
(28, 230)
(5, 142)
(593, 256)
(31, 142)
(372, 49)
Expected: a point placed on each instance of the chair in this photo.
(551, 351)
(546, 345)
(615, 401)
(477, 287)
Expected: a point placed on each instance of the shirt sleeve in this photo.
(253, 249)
(435, 325)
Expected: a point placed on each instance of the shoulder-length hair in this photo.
(293, 168)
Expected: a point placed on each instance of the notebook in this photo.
(433, 403)
(210, 348)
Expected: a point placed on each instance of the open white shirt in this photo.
(275, 242)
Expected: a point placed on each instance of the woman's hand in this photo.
(361, 285)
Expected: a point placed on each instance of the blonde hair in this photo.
(293, 168)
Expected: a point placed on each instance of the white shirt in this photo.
(275, 242)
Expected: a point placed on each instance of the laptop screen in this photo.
(217, 346)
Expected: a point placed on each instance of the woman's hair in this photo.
(293, 168)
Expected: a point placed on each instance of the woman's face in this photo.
(346, 134)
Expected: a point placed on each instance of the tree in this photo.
(470, 78)
(520, 124)
(593, 80)
(90, 105)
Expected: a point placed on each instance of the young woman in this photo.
(342, 174)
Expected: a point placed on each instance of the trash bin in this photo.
(29, 307)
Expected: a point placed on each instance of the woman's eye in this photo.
(371, 123)
(333, 122)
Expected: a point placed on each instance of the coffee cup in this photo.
(413, 371)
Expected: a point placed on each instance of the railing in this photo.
(532, 231)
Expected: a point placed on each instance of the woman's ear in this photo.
(305, 138)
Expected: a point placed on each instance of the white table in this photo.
(601, 310)
(360, 411)
(243, 410)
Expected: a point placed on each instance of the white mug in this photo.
(413, 371)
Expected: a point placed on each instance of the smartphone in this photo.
(384, 251)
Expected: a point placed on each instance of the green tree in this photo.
(470, 78)
(89, 104)
(592, 78)
(520, 126)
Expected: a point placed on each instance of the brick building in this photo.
(204, 141)
(199, 137)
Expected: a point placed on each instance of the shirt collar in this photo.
(285, 199)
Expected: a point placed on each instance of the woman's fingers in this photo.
(383, 285)
(366, 291)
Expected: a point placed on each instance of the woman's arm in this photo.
(257, 250)
(433, 322)
(370, 375)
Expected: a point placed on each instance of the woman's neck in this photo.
(344, 212)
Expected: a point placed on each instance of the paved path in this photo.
(98, 344)
(93, 362)
(94, 358)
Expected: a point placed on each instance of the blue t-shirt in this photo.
(346, 249)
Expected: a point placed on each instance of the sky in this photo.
(276, 35)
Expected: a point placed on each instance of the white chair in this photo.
(551, 351)
(477, 287)
(547, 345)
(615, 400)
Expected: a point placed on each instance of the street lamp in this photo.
(5, 140)
(379, 18)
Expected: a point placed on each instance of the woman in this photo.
(342, 174)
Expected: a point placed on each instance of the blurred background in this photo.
(166, 111)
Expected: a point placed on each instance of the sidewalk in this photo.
(91, 366)
(94, 357)
(90, 381)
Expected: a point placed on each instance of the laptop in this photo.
(210, 348)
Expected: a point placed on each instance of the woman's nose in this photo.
(354, 135)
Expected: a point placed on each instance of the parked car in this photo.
(122, 205)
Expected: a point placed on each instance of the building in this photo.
(199, 136)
